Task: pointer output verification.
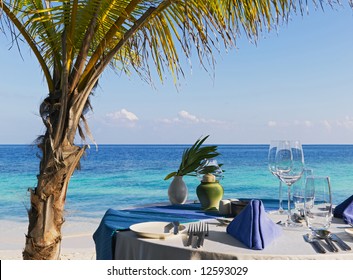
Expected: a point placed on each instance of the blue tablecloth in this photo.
(119, 220)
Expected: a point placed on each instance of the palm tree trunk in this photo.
(43, 240)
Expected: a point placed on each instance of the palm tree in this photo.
(75, 41)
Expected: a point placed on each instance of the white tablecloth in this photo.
(221, 246)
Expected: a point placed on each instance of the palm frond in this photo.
(192, 157)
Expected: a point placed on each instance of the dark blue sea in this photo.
(121, 176)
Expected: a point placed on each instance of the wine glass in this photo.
(272, 167)
(318, 203)
(289, 167)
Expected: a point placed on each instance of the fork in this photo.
(205, 234)
(191, 231)
(200, 234)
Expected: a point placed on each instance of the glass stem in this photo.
(289, 220)
(280, 209)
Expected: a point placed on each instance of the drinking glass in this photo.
(298, 191)
(272, 167)
(289, 167)
(318, 203)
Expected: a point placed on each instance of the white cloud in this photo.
(348, 122)
(185, 117)
(308, 123)
(345, 123)
(305, 123)
(123, 114)
(327, 124)
(122, 117)
(169, 121)
(271, 123)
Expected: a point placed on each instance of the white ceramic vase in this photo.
(177, 191)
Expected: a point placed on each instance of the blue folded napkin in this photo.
(345, 210)
(253, 227)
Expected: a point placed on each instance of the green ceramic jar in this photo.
(209, 194)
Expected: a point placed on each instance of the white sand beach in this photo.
(77, 243)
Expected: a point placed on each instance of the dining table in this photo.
(115, 240)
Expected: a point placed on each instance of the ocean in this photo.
(122, 176)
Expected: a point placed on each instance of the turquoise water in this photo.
(120, 176)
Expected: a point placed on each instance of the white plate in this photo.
(349, 231)
(154, 229)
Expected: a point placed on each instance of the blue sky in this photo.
(295, 83)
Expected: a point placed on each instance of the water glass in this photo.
(318, 202)
(298, 190)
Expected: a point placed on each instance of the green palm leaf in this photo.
(192, 157)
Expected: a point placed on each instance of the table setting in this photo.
(310, 227)
(237, 238)
(253, 234)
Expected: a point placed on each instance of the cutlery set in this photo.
(314, 240)
(198, 232)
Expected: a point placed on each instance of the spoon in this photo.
(339, 241)
(325, 234)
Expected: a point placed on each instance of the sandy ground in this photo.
(77, 242)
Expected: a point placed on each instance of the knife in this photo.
(340, 242)
(176, 227)
(331, 245)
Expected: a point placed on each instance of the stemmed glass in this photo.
(272, 167)
(289, 167)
